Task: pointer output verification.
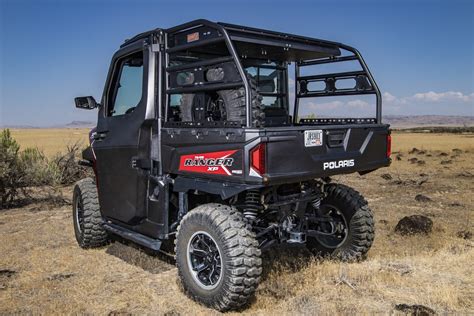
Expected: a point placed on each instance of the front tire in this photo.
(86, 215)
(217, 257)
(351, 210)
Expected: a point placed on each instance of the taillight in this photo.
(389, 145)
(257, 158)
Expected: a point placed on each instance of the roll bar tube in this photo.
(365, 71)
(232, 52)
(221, 27)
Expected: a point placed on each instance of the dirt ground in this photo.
(43, 271)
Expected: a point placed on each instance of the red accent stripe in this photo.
(217, 162)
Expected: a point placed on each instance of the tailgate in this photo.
(320, 151)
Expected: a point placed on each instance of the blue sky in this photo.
(420, 52)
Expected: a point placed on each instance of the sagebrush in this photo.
(21, 170)
(11, 173)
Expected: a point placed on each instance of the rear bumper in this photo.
(356, 149)
(288, 158)
(274, 179)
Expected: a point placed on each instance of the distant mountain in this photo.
(73, 124)
(402, 121)
(79, 124)
(396, 121)
(17, 126)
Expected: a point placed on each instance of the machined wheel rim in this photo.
(204, 260)
(79, 214)
(336, 240)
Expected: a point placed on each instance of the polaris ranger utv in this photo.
(197, 143)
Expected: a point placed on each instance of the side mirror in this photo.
(87, 103)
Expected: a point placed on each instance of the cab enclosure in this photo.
(222, 138)
(214, 112)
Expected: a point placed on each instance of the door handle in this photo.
(99, 136)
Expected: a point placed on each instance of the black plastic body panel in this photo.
(122, 188)
(287, 158)
(141, 156)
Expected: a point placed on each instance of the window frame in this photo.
(283, 72)
(112, 86)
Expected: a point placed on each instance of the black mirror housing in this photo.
(87, 103)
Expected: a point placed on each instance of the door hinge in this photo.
(141, 163)
(155, 47)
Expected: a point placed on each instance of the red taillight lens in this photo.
(389, 145)
(257, 158)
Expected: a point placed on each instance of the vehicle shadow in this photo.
(151, 261)
(291, 258)
(288, 257)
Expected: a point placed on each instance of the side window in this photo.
(127, 89)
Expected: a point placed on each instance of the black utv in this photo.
(201, 141)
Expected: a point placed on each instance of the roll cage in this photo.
(204, 45)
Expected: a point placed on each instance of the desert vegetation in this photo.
(420, 263)
(24, 171)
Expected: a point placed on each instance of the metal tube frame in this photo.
(232, 51)
(222, 29)
(365, 71)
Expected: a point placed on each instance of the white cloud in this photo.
(325, 106)
(441, 103)
(337, 105)
(386, 96)
(432, 96)
(358, 104)
(448, 102)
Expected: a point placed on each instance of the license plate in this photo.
(313, 138)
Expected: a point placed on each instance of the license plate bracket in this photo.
(313, 138)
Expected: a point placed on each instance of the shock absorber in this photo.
(252, 204)
(316, 203)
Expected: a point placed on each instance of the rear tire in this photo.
(217, 257)
(86, 215)
(359, 222)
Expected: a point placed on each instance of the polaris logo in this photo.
(209, 162)
(338, 164)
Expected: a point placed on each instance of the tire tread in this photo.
(361, 224)
(241, 248)
(93, 234)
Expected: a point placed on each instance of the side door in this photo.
(120, 140)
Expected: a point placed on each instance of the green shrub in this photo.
(38, 170)
(22, 170)
(12, 172)
(66, 168)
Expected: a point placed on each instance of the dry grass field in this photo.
(43, 271)
(50, 140)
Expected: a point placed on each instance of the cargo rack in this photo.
(304, 51)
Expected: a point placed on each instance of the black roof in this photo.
(239, 31)
(234, 28)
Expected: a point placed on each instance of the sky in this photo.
(420, 52)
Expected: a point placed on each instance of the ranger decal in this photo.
(219, 162)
